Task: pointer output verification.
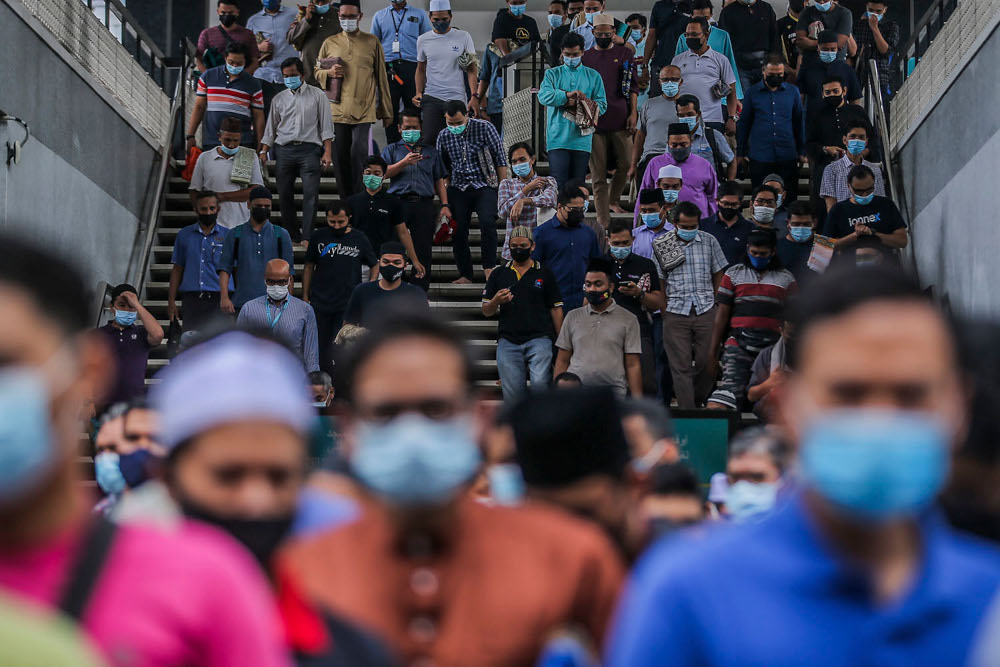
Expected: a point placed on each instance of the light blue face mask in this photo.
(671, 88)
(27, 452)
(233, 69)
(229, 151)
(823, 6)
(322, 9)
(620, 252)
(691, 121)
(573, 62)
(651, 220)
(781, 198)
(686, 234)
(747, 500)
(878, 17)
(876, 464)
(108, 474)
(670, 196)
(590, 17)
(522, 169)
(412, 460)
(518, 10)
(636, 35)
(457, 129)
(555, 20)
(800, 234)
(126, 318)
(864, 201)
(506, 483)
(586, 205)
(828, 56)
(293, 82)
(856, 146)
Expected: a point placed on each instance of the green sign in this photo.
(703, 438)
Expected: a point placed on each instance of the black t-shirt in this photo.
(810, 83)
(641, 271)
(519, 29)
(555, 41)
(535, 294)
(837, 19)
(376, 216)
(367, 298)
(338, 261)
(786, 33)
(794, 255)
(881, 215)
(668, 20)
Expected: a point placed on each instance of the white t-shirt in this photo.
(445, 79)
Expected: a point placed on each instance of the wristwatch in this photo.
(190, 136)
(476, 95)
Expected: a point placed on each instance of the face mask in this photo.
(855, 146)
(876, 464)
(686, 234)
(349, 25)
(828, 56)
(597, 298)
(603, 42)
(126, 318)
(727, 213)
(277, 292)
(229, 151)
(760, 263)
(27, 452)
(691, 121)
(372, 182)
(864, 201)
(763, 213)
(651, 220)
(136, 467)
(620, 253)
(412, 460)
(322, 9)
(573, 62)
(774, 80)
(586, 205)
(555, 20)
(671, 88)
(823, 6)
(109, 477)
(574, 218)
(590, 17)
(746, 500)
(441, 26)
(260, 213)
(227, 20)
(520, 255)
(207, 219)
(319, 405)
(338, 231)
(518, 10)
(800, 234)
(261, 537)
(457, 129)
(661, 527)
(272, 5)
(680, 154)
(636, 35)
(693, 44)
(506, 483)
(833, 101)
(293, 82)
(781, 198)
(232, 69)
(522, 169)
(411, 136)
(390, 273)
(878, 17)
(670, 196)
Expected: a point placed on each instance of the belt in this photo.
(411, 196)
(201, 296)
(299, 143)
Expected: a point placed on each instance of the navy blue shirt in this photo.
(566, 251)
(418, 179)
(771, 127)
(733, 239)
(772, 593)
(255, 251)
(199, 254)
(810, 82)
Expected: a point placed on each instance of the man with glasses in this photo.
(763, 205)
(654, 118)
(865, 214)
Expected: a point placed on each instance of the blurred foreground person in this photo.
(857, 567)
(757, 460)
(446, 579)
(673, 499)
(145, 596)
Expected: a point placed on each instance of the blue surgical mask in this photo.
(590, 17)
(781, 198)
(748, 500)
(800, 234)
(109, 475)
(126, 318)
(555, 20)
(875, 463)
(864, 201)
(670, 196)
(759, 263)
(586, 205)
(573, 62)
(823, 6)
(411, 136)
(457, 129)
(878, 17)
(518, 10)
(828, 56)
(233, 69)
(522, 169)
(621, 252)
(636, 35)
(691, 121)
(651, 220)
(27, 452)
(293, 82)
(229, 151)
(506, 483)
(856, 146)
(272, 5)
(322, 9)
(686, 234)
(671, 88)
(412, 460)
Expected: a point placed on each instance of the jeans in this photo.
(419, 216)
(400, 92)
(300, 160)
(516, 363)
(350, 148)
(484, 202)
(566, 165)
(327, 327)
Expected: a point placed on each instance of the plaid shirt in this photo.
(511, 190)
(690, 284)
(835, 179)
(461, 153)
(867, 49)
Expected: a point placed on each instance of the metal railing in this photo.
(926, 29)
(117, 19)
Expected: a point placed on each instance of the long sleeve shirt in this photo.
(364, 96)
(700, 182)
(719, 40)
(560, 131)
(461, 153)
(771, 128)
(510, 192)
(308, 37)
(302, 114)
(291, 321)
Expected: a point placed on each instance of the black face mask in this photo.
(207, 219)
(441, 26)
(833, 101)
(227, 20)
(728, 213)
(520, 255)
(338, 231)
(261, 537)
(680, 154)
(260, 213)
(390, 273)
(603, 42)
(597, 298)
(693, 44)
(574, 218)
(773, 80)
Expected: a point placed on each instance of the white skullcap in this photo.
(229, 379)
(440, 6)
(670, 171)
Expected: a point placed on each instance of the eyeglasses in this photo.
(671, 80)
(764, 202)
(283, 281)
(863, 193)
(694, 35)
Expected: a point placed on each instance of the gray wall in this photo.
(81, 187)
(949, 169)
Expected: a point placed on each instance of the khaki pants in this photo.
(688, 338)
(604, 142)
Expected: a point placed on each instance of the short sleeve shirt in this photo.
(654, 119)
(445, 79)
(641, 271)
(130, 348)
(700, 74)
(517, 29)
(369, 298)
(599, 343)
(609, 65)
(338, 261)
(227, 97)
(199, 254)
(527, 316)
(881, 215)
(213, 171)
(837, 19)
(376, 216)
(417, 179)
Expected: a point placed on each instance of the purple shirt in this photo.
(642, 242)
(698, 174)
(130, 347)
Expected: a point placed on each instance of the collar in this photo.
(220, 156)
(215, 230)
(510, 265)
(611, 307)
(781, 86)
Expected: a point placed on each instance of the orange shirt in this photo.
(507, 580)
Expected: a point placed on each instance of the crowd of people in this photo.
(316, 479)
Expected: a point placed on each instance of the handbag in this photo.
(669, 251)
(333, 85)
(486, 166)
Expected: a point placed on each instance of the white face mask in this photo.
(349, 25)
(277, 292)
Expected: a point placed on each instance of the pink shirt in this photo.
(189, 596)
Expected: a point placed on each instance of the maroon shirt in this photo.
(130, 348)
(609, 65)
(216, 38)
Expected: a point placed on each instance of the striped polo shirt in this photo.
(229, 98)
(757, 300)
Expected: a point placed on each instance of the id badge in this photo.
(395, 46)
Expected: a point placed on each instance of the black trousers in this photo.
(484, 202)
(401, 94)
(327, 326)
(270, 90)
(350, 148)
(419, 216)
(787, 169)
(198, 309)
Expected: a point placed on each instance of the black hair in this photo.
(700, 20)
(227, 2)
(654, 413)
(454, 107)
(579, 184)
(763, 237)
(238, 48)
(294, 61)
(120, 289)
(859, 171)
(637, 17)
(568, 194)
(651, 196)
(855, 124)
(376, 161)
(601, 265)
(519, 145)
(775, 59)
(206, 194)
(686, 99)
(702, 4)
(336, 207)
(834, 78)
(801, 207)
(568, 377)
(571, 40)
(618, 225)
(727, 188)
(231, 124)
(690, 209)
(56, 287)
(563, 3)
(409, 112)
(320, 378)
(764, 188)
(826, 37)
(674, 479)
(392, 248)
(797, 5)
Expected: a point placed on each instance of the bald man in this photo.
(290, 320)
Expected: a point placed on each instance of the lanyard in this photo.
(281, 311)
(392, 15)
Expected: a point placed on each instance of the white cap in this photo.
(440, 6)
(228, 379)
(669, 171)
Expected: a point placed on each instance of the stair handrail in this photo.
(141, 269)
(923, 34)
(144, 44)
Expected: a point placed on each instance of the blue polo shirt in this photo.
(417, 179)
(733, 239)
(773, 594)
(771, 127)
(199, 254)
(566, 251)
(255, 251)
(390, 25)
